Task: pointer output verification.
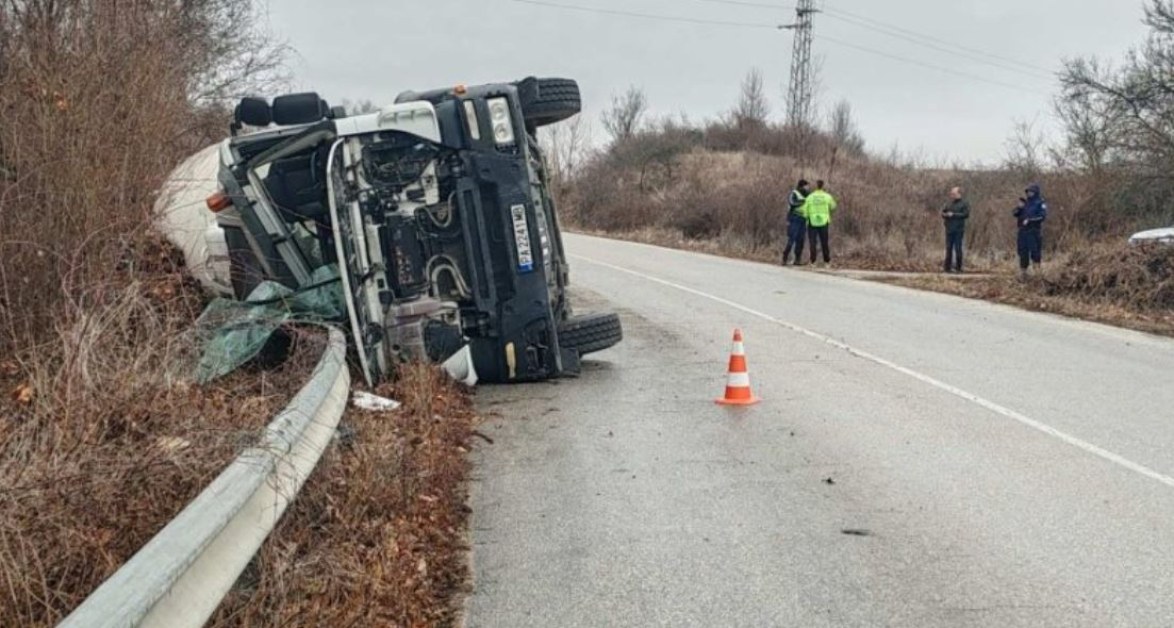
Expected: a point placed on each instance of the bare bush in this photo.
(566, 146)
(1026, 150)
(626, 115)
(101, 439)
(106, 95)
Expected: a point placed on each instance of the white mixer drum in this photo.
(182, 215)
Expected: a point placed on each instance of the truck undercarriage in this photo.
(434, 211)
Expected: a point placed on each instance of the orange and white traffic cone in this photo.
(738, 391)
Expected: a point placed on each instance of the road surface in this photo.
(919, 460)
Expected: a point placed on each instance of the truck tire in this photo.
(590, 333)
(548, 100)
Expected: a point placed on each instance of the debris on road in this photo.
(233, 333)
(373, 403)
(460, 367)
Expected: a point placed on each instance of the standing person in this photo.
(1030, 216)
(818, 211)
(796, 223)
(955, 215)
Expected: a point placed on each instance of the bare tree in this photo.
(753, 108)
(1026, 148)
(566, 146)
(844, 129)
(1127, 113)
(626, 115)
(1091, 121)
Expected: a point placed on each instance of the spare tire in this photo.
(548, 100)
(590, 333)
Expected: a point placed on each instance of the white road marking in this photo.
(936, 383)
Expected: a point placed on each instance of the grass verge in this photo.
(1126, 286)
(1114, 284)
(377, 537)
(847, 253)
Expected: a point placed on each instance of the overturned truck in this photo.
(436, 212)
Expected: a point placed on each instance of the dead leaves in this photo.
(23, 394)
(9, 368)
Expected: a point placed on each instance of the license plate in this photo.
(522, 238)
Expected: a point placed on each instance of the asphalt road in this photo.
(919, 460)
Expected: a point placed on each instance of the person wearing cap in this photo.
(818, 211)
(796, 223)
(1030, 216)
(955, 215)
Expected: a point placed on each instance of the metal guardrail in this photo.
(181, 575)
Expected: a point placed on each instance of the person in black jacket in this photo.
(1030, 216)
(796, 223)
(955, 214)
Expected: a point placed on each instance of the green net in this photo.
(233, 333)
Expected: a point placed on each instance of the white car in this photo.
(1153, 236)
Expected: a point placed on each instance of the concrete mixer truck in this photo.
(435, 210)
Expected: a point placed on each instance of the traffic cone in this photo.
(738, 386)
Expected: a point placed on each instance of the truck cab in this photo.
(433, 214)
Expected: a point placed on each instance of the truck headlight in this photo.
(503, 123)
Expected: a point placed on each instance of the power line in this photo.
(940, 40)
(930, 66)
(951, 49)
(760, 25)
(757, 5)
(915, 37)
(929, 41)
(646, 16)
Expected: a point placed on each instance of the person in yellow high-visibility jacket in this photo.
(817, 209)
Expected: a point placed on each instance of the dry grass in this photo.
(1125, 286)
(718, 191)
(377, 536)
(103, 440)
(695, 185)
(850, 254)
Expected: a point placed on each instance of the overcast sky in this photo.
(373, 49)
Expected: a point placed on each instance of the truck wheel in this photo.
(549, 100)
(590, 333)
